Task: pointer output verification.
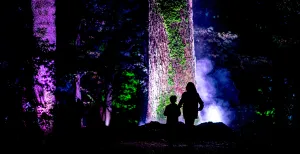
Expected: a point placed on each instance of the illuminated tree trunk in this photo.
(44, 30)
(171, 52)
(78, 91)
(108, 107)
(158, 61)
(78, 76)
(78, 94)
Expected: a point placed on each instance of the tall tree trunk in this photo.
(44, 30)
(171, 65)
(106, 108)
(78, 76)
(78, 97)
(108, 105)
(77, 87)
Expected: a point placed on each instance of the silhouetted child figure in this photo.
(172, 112)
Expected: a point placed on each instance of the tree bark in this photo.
(44, 30)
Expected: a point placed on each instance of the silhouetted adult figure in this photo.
(189, 101)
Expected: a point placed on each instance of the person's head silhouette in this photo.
(190, 87)
(173, 99)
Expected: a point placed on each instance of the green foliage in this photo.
(125, 99)
(265, 106)
(127, 92)
(172, 12)
(163, 101)
(268, 113)
(109, 44)
(171, 73)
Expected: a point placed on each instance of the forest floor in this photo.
(151, 139)
(209, 147)
(163, 147)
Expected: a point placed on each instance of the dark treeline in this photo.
(75, 25)
(104, 45)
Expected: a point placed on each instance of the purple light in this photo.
(214, 84)
(44, 20)
(207, 91)
(44, 90)
(215, 110)
(44, 28)
(204, 83)
(213, 114)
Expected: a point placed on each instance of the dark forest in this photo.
(101, 73)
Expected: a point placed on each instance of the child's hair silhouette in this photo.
(172, 111)
(173, 99)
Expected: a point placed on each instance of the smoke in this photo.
(217, 91)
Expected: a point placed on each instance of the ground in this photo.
(162, 147)
(209, 138)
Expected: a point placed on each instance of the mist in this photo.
(217, 91)
(213, 43)
(213, 80)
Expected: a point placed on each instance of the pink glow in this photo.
(78, 89)
(44, 20)
(44, 89)
(160, 62)
(44, 28)
(78, 93)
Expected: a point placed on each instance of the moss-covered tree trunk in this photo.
(171, 53)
